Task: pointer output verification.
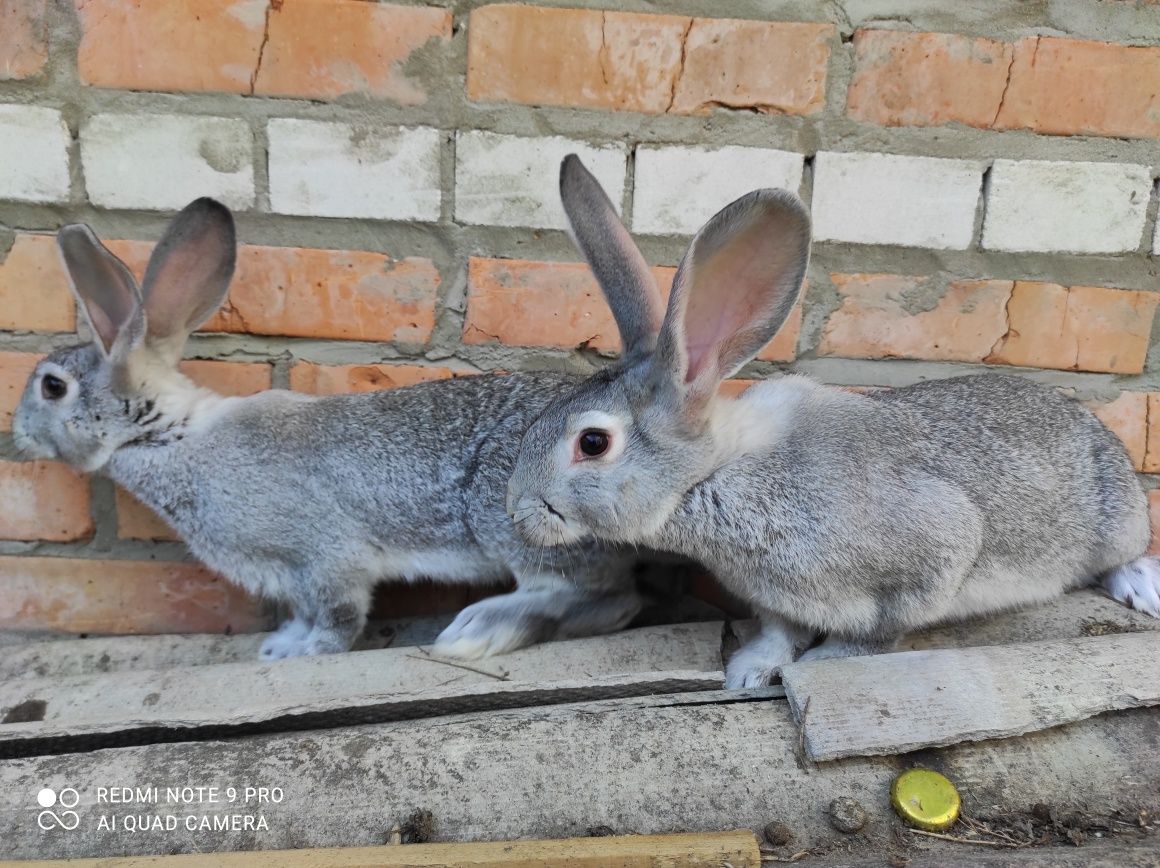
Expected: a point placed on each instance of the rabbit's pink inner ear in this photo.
(189, 272)
(741, 282)
(732, 295)
(103, 286)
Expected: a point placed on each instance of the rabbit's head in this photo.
(83, 403)
(613, 458)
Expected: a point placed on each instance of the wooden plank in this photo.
(738, 849)
(64, 657)
(1078, 614)
(1114, 853)
(702, 762)
(81, 712)
(895, 703)
(24, 655)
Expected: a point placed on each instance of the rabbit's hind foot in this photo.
(501, 624)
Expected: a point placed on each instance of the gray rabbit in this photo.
(857, 516)
(310, 501)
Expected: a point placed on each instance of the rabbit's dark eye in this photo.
(594, 442)
(53, 388)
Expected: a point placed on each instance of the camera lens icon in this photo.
(66, 819)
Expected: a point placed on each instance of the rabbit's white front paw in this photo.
(493, 626)
(752, 668)
(289, 640)
(1137, 585)
(760, 659)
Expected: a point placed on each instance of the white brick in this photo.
(325, 169)
(1061, 207)
(677, 189)
(163, 162)
(513, 181)
(33, 154)
(893, 199)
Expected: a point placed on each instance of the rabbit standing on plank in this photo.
(859, 517)
(310, 501)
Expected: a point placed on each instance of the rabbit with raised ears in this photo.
(854, 516)
(308, 500)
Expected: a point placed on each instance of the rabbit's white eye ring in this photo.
(52, 387)
(592, 443)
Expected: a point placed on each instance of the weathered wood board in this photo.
(1081, 613)
(737, 849)
(895, 703)
(63, 657)
(702, 762)
(1127, 852)
(24, 655)
(1076, 615)
(64, 714)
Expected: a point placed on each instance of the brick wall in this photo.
(982, 178)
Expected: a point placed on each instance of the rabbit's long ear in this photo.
(735, 286)
(188, 275)
(621, 271)
(105, 290)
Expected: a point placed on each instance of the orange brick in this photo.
(15, 369)
(44, 500)
(652, 64)
(73, 595)
(733, 388)
(349, 295)
(529, 304)
(1046, 84)
(1151, 461)
(1041, 325)
(303, 292)
(137, 521)
(23, 38)
(621, 61)
(319, 49)
(327, 48)
(228, 378)
(1072, 86)
(558, 304)
(771, 66)
(1079, 328)
(340, 379)
(1127, 418)
(921, 79)
(34, 292)
(873, 321)
(180, 45)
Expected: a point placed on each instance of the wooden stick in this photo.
(738, 849)
(943, 837)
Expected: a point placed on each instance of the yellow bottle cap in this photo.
(925, 799)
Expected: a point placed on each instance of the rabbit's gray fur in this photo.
(312, 500)
(857, 516)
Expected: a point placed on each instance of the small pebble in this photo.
(847, 815)
(778, 834)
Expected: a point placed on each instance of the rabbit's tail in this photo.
(1136, 585)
